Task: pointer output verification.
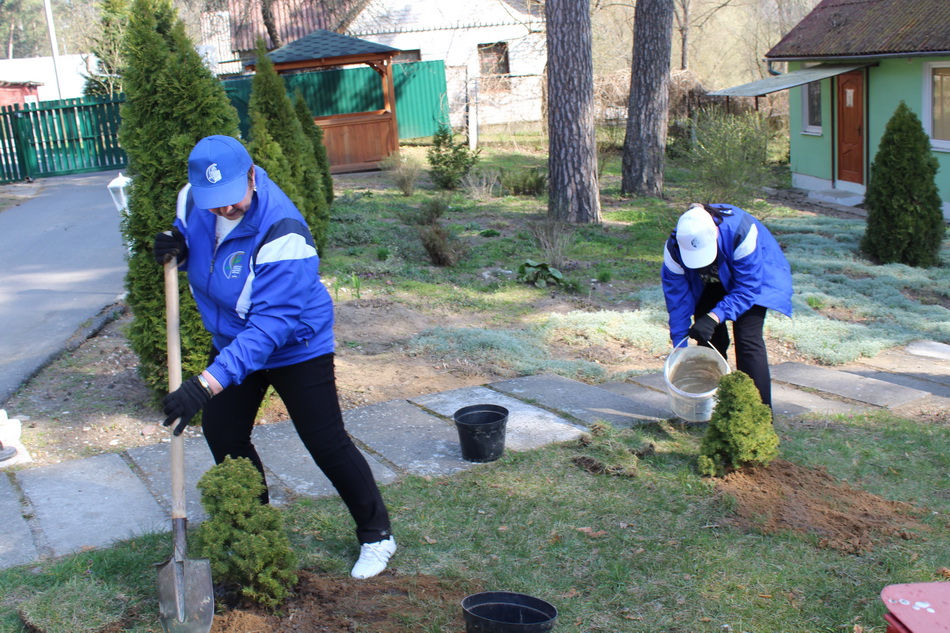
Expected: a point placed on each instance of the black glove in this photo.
(184, 403)
(703, 328)
(170, 244)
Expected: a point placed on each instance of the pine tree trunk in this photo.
(572, 143)
(648, 108)
(270, 23)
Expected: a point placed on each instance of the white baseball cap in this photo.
(696, 234)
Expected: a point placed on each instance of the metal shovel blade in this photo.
(185, 596)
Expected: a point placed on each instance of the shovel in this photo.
(185, 593)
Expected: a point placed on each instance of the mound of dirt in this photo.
(331, 604)
(787, 497)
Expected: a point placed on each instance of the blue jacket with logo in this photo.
(259, 292)
(751, 266)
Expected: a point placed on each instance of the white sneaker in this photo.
(373, 558)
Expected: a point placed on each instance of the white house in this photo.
(63, 80)
(494, 51)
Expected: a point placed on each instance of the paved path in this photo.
(63, 508)
(63, 263)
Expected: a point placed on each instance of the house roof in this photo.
(322, 44)
(868, 28)
(788, 80)
(294, 19)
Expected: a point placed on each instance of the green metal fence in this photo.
(420, 94)
(54, 138)
(72, 136)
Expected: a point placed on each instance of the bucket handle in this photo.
(713, 347)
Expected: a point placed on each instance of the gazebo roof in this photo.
(321, 45)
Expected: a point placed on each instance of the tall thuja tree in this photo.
(172, 101)
(269, 100)
(315, 132)
(905, 222)
(106, 45)
(268, 154)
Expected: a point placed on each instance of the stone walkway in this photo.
(92, 502)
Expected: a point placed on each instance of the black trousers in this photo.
(751, 354)
(308, 390)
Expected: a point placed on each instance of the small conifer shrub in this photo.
(244, 539)
(449, 161)
(740, 431)
(905, 220)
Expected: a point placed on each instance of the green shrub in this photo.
(428, 212)
(244, 539)
(728, 156)
(905, 221)
(404, 171)
(525, 182)
(449, 162)
(539, 273)
(443, 249)
(740, 431)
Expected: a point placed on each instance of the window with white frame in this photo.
(811, 108)
(936, 110)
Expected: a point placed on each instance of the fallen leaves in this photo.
(590, 532)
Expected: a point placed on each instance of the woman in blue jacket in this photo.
(254, 273)
(721, 264)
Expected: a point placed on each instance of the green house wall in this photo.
(888, 83)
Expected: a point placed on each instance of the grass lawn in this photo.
(658, 551)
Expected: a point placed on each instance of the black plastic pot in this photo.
(481, 429)
(507, 612)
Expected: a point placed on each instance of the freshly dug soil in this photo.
(787, 497)
(332, 604)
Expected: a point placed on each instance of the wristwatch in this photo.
(204, 383)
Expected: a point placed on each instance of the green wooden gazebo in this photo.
(355, 141)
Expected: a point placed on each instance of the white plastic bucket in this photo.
(692, 376)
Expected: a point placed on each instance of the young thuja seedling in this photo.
(244, 539)
(740, 430)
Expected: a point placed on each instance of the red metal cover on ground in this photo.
(922, 607)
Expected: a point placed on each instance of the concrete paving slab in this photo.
(285, 456)
(926, 368)
(407, 436)
(914, 381)
(155, 463)
(859, 388)
(528, 426)
(790, 402)
(650, 402)
(90, 502)
(654, 381)
(929, 349)
(16, 538)
(584, 402)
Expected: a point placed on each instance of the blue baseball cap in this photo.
(217, 171)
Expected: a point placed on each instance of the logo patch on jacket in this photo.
(233, 265)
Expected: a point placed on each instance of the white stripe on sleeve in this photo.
(747, 246)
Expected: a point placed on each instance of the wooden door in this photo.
(851, 127)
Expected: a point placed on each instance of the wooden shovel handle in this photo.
(173, 338)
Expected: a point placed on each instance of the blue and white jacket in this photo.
(259, 292)
(751, 267)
